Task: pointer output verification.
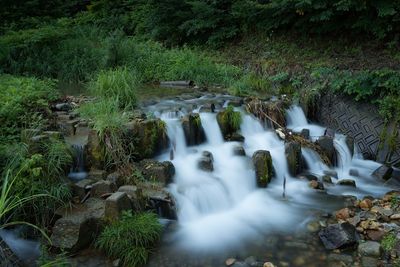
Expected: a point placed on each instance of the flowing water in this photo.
(221, 211)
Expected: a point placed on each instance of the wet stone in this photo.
(338, 236)
(347, 182)
(369, 248)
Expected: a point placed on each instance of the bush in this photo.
(131, 238)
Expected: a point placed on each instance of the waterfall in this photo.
(78, 171)
(220, 208)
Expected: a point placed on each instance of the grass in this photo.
(131, 238)
(120, 84)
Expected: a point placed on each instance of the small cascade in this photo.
(27, 251)
(211, 128)
(343, 154)
(78, 171)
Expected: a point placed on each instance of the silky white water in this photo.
(224, 207)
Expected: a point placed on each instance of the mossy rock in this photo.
(95, 151)
(293, 156)
(229, 122)
(193, 130)
(262, 161)
(149, 137)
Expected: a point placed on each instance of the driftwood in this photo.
(177, 84)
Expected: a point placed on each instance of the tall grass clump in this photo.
(108, 120)
(250, 84)
(120, 84)
(131, 238)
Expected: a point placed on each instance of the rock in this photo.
(206, 162)
(308, 176)
(79, 226)
(293, 156)
(316, 185)
(395, 216)
(97, 175)
(331, 173)
(326, 143)
(375, 235)
(54, 134)
(67, 127)
(268, 264)
(158, 171)
(235, 137)
(347, 182)
(81, 188)
(229, 122)
(95, 152)
(230, 261)
(354, 172)
(262, 161)
(116, 178)
(383, 172)
(194, 132)
(159, 199)
(239, 151)
(339, 236)
(102, 187)
(63, 106)
(115, 204)
(346, 259)
(305, 133)
(369, 262)
(251, 261)
(147, 136)
(313, 226)
(350, 144)
(369, 248)
(365, 204)
(343, 214)
(327, 179)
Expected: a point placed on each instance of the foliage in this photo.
(119, 84)
(23, 104)
(389, 241)
(131, 238)
(251, 84)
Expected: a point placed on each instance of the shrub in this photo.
(388, 242)
(131, 238)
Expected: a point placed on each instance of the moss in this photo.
(389, 242)
(229, 121)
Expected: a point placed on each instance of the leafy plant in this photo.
(389, 241)
(131, 238)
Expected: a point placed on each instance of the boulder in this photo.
(149, 137)
(78, 226)
(115, 204)
(339, 235)
(370, 249)
(236, 137)
(63, 106)
(293, 156)
(327, 179)
(154, 170)
(383, 172)
(102, 187)
(239, 151)
(116, 178)
(135, 195)
(326, 144)
(331, 173)
(81, 188)
(262, 161)
(229, 123)
(159, 199)
(206, 162)
(346, 182)
(193, 130)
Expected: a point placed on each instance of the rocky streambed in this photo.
(236, 182)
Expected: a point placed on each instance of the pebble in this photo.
(370, 249)
(268, 264)
(230, 261)
(343, 214)
(366, 204)
(395, 216)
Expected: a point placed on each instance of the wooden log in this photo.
(177, 84)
